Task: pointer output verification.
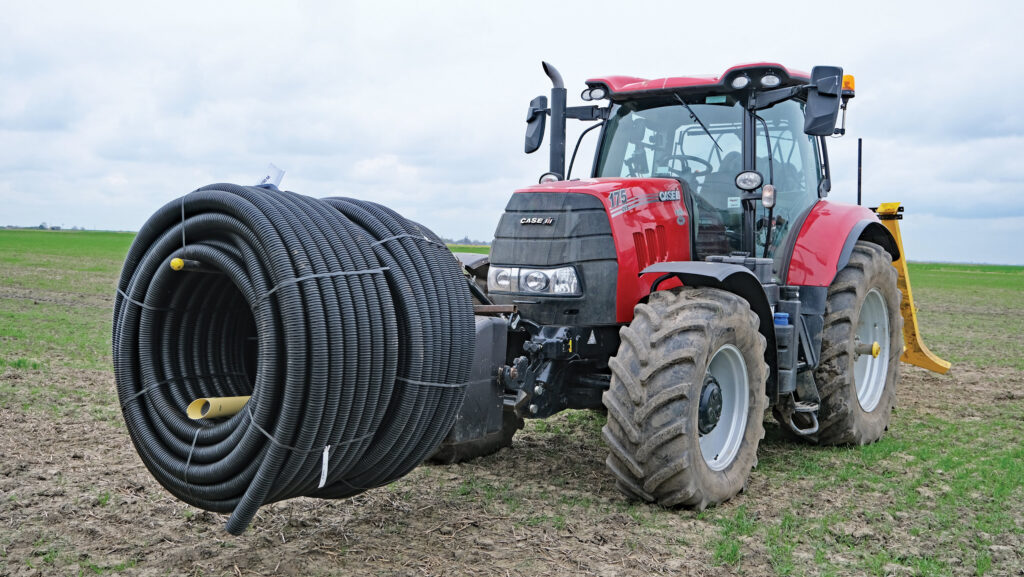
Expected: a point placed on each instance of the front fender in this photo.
(733, 278)
(826, 240)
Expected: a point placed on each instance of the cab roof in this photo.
(626, 87)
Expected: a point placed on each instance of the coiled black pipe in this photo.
(350, 326)
(420, 414)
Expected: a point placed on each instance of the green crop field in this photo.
(941, 494)
(477, 248)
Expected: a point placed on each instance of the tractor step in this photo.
(808, 412)
(805, 407)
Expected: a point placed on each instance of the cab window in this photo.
(794, 170)
(663, 140)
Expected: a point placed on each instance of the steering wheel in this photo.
(687, 158)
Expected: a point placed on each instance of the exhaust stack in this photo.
(557, 143)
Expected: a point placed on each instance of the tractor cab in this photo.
(746, 148)
(702, 146)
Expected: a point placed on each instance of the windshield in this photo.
(665, 141)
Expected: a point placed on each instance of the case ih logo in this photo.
(622, 202)
(537, 220)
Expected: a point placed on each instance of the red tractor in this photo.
(696, 278)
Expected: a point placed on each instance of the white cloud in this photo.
(384, 166)
(108, 112)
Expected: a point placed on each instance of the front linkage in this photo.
(562, 367)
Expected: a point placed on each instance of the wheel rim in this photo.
(869, 371)
(720, 446)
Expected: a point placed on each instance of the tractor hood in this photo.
(609, 228)
(622, 196)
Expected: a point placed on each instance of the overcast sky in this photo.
(108, 109)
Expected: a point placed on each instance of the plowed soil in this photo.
(77, 500)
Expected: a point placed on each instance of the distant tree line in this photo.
(467, 240)
(44, 226)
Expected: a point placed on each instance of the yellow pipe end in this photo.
(177, 264)
(214, 407)
(875, 349)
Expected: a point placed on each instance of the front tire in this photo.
(683, 345)
(858, 389)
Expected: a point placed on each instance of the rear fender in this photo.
(731, 278)
(826, 242)
(871, 231)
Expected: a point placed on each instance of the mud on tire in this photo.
(869, 278)
(653, 401)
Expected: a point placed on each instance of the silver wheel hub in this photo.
(869, 369)
(721, 443)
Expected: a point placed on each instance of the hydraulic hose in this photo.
(349, 326)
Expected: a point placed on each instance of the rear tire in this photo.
(676, 340)
(858, 391)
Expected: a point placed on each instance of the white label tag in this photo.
(734, 202)
(323, 469)
(272, 175)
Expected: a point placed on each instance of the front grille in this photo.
(577, 234)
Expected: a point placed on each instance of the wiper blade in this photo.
(694, 116)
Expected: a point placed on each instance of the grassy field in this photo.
(477, 248)
(971, 312)
(940, 494)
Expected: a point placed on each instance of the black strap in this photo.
(406, 381)
(409, 235)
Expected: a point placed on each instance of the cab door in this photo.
(794, 169)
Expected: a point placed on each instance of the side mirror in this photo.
(536, 117)
(823, 94)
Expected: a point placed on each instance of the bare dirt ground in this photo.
(76, 500)
(941, 494)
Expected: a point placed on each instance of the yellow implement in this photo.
(914, 350)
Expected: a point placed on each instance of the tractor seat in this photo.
(720, 185)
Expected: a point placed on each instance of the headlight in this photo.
(749, 180)
(740, 82)
(535, 281)
(502, 279)
(565, 281)
(558, 281)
